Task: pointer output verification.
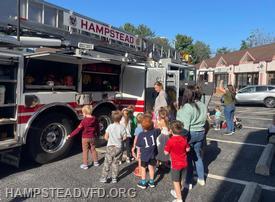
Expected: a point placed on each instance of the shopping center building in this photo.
(253, 66)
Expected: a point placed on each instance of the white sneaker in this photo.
(173, 193)
(96, 164)
(188, 186)
(201, 182)
(177, 200)
(128, 160)
(84, 166)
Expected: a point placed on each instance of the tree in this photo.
(183, 43)
(145, 31)
(128, 27)
(223, 50)
(162, 41)
(200, 52)
(257, 38)
(141, 30)
(244, 45)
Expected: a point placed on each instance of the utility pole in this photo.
(18, 19)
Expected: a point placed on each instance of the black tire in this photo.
(269, 102)
(47, 138)
(104, 118)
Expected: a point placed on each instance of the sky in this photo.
(218, 23)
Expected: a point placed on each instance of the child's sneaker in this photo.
(201, 182)
(151, 183)
(188, 186)
(173, 193)
(103, 180)
(142, 184)
(84, 166)
(114, 180)
(177, 200)
(128, 160)
(96, 164)
(119, 162)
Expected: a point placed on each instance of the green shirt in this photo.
(133, 125)
(193, 119)
(228, 98)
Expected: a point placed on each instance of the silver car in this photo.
(256, 94)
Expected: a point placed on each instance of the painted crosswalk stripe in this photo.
(255, 118)
(234, 142)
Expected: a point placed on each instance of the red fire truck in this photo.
(42, 90)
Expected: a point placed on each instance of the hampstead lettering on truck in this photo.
(99, 29)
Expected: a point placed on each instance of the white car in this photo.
(256, 94)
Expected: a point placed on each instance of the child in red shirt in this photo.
(177, 147)
(90, 129)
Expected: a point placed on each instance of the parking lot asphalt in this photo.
(230, 163)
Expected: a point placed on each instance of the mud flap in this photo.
(11, 156)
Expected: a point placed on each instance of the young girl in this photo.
(126, 122)
(218, 114)
(147, 151)
(138, 130)
(162, 124)
(90, 129)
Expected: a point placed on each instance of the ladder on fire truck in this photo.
(41, 19)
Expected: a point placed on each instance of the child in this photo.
(271, 129)
(115, 134)
(177, 147)
(90, 129)
(218, 118)
(147, 151)
(163, 138)
(138, 130)
(126, 122)
(131, 109)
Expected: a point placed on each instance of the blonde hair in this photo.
(87, 109)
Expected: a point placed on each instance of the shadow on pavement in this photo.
(27, 164)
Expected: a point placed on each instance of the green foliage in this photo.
(200, 52)
(244, 45)
(223, 50)
(141, 30)
(183, 43)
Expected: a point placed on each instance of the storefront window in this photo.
(100, 77)
(50, 16)
(244, 79)
(221, 80)
(271, 78)
(35, 12)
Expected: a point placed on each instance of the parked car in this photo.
(256, 94)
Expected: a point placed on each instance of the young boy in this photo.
(90, 129)
(115, 135)
(147, 151)
(177, 147)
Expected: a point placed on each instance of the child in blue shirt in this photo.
(218, 115)
(147, 151)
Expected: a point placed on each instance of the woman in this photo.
(193, 115)
(229, 109)
(160, 99)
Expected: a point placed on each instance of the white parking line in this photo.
(261, 112)
(234, 142)
(217, 177)
(258, 128)
(254, 118)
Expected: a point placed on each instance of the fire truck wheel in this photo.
(104, 119)
(47, 140)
